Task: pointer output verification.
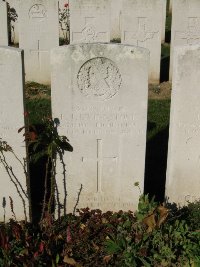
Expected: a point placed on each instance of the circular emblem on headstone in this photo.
(99, 78)
(37, 11)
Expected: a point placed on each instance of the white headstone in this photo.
(116, 12)
(99, 93)
(164, 19)
(89, 21)
(183, 170)
(38, 34)
(11, 119)
(4, 23)
(142, 25)
(14, 24)
(185, 25)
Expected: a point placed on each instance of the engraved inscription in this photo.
(99, 78)
(37, 11)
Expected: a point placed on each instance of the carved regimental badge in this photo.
(99, 78)
(38, 12)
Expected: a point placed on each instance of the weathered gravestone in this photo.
(142, 23)
(4, 23)
(38, 34)
(99, 93)
(185, 25)
(183, 170)
(11, 119)
(14, 23)
(89, 21)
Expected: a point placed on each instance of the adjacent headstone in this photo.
(142, 25)
(99, 93)
(11, 119)
(116, 12)
(185, 25)
(4, 23)
(14, 23)
(164, 19)
(38, 34)
(183, 170)
(89, 21)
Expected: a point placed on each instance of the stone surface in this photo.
(14, 24)
(185, 25)
(11, 119)
(99, 93)
(183, 170)
(142, 25)
(89, 21)
(38, 34)
(4, 23)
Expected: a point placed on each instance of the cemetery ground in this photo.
(155, 235)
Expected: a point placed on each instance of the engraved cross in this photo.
(192, 34)
(39, 51)
(141, 35)
(99, 163)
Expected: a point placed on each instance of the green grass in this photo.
(158, 116)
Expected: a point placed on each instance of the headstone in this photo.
(142, 24)
(183, 170)
(99, 93)
(38, 34)
(11, 119)
(4, 23)
(164, 19)
(185, 25)
(116, 12)
(89, 21)
(14, 24)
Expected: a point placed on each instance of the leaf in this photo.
(107, 258)
(71, 261)
(20, 129)
(150, 222)
(163, 213)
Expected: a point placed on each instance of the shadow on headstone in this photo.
(155, 166)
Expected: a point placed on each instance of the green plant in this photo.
(64, 21)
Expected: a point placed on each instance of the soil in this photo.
(160, 91)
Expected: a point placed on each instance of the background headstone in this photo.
(164, 19)
(4, 23)
(116, 12)
(99, 93)
(185, 25)
(183, 170)
(142, 25)
(89, 21)
(38, 34)
(11, 119)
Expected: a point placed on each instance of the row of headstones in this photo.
(100, 94)
(142, 24)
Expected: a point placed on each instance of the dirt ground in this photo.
(161, 91)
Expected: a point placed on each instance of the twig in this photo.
(78, 198)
